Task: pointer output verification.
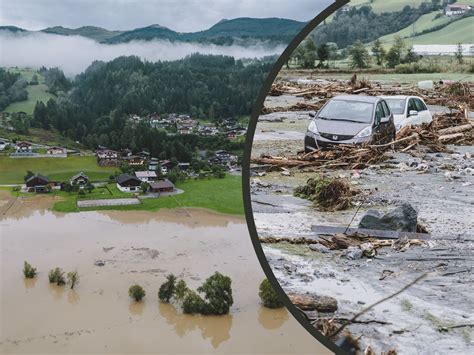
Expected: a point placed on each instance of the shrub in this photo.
(268, 295)
(16, 188)
(218, 294)
(193, 303)
(72, 279)
(167, 289)
(29, 271)
(81, 193)
(136, 292)
(330, 194)
(56, 276)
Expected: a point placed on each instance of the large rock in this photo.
(310, 302)
(403, 219)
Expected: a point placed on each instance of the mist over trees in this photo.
(12, 88)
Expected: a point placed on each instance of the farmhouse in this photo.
(80, 179)
(456, 9)
(128, 183)
(37, 183)
(184, 166)
(135, 160)
(56, 151)
(146, 176)
(23, 147)
(107, 157)
(162, 186)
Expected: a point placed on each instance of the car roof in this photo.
(360, 98)
(399, 97)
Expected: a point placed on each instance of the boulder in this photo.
(403, 219)
(311, 302)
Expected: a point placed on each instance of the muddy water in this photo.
(137, 247)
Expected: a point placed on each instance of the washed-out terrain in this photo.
(439, 185)
(113, 250)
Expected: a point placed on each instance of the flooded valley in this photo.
(113, 250)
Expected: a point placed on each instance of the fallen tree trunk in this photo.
(449, 137)
(456, 129)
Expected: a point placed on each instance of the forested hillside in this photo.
(12, 88)
(95, 109)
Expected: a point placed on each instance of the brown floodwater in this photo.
(137, 247)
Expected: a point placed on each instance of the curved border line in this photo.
(246, 172)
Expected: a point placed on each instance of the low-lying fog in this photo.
(73, 54)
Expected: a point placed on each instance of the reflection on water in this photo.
(73, 297)
(272, 318)
(215, 328)
(136, 308)
(29, 283)
(57, 291)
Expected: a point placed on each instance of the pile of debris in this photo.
(330, 194)
(342, 156)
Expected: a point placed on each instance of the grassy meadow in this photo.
(12, 170)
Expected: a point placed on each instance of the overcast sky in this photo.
(182, 15)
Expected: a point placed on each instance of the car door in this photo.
(389, 126)
(412, 107)
(424, 115)
(378, 135)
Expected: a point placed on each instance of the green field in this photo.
(461, 31)
(386, 6)
(12, 170)
(35, 92)
(220, 195)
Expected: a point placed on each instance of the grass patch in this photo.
(407, 306)
(40, 136)
(12, 171)
(220, 195)
(35, 93)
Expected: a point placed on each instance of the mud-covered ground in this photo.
(133, 247)
(437, 309)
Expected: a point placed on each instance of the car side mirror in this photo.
(385, 119)
(412, 113)
(312, 114)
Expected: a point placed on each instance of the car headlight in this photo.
(367, 131)
(312, 127)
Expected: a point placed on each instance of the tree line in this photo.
(12, 88)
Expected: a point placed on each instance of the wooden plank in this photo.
(375, 233)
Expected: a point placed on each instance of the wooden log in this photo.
(413, 136)
(456, 129)
(449, 137)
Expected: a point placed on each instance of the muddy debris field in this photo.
(388, 258)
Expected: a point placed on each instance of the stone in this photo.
(403, 219)
(319, 247)
(99, 263)
(353, 253)
(312, 302)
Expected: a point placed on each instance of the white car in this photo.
(408, 110)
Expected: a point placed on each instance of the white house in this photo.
(456, 9)
(146, 176)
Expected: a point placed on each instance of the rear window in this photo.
(397, 106)
(347, 110)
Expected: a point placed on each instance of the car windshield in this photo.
(347, 110)
(397, 106)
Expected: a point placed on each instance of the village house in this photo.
(135, 160)
(107, 157)
(126, 152)
(184, 166)
(80, 179)
(37, 183)
(153, 164)
(146, 176)
(128, 183)
(456, 9)
(56, 151)
(223, 157)
(23, 147)
(3, 144)
(208, 131)
(161, 186)
(166, 166)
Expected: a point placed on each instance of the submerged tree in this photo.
(72, 279)
(217, 294)
(166, 291)
(29, 271)
(136, 292)
(269, 296)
